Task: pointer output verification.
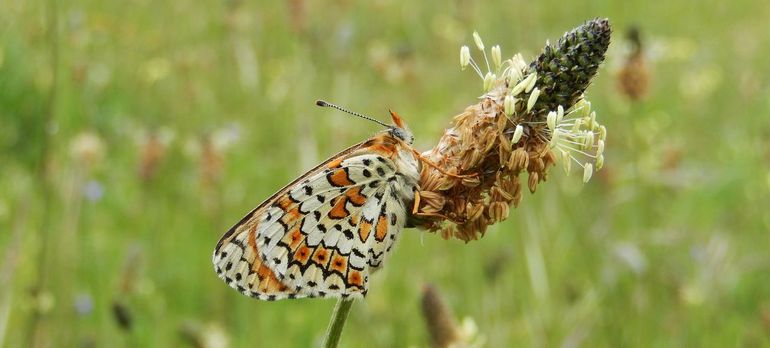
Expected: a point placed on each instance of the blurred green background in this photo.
(133, 134)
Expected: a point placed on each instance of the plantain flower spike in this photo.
(529, 117)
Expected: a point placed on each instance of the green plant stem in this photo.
(34, 329)
(339, 316)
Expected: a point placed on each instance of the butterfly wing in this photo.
(323, 234)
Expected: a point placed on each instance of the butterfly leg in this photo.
(442, 171)
(436, 215)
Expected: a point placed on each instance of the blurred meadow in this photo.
(133, 134)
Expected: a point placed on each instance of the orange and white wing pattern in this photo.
(326, 232)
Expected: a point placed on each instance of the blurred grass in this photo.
(666, 247)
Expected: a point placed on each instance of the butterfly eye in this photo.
(402, 134)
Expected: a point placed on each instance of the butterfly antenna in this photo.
(325, 104)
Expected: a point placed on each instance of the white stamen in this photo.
(480, 46)
(588, 139)
(577, 106)
(554, 139)
(588, 170)
(563, 144)
(517, 134)
(476, 68)
(599, 162)
(465, 57)
(551, 120)
(531, 83)
(577, 125)
(489, 79)
(477, 39)
(509, 105)
(532, 99)
(600, 148)
(587, 109)
(567, 163)
(497, 57)
(521, 86)
(518, 62)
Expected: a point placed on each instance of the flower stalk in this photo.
(337, 323)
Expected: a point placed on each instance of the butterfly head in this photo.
(399, 129)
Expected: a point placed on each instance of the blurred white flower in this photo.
(215, 337)
(208, 335)
(99, 75)
(469, 335)
(87, 148)
(630, 254)
(223, 138)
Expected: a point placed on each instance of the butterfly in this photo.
(326, 232)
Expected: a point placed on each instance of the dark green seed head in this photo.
(565, 70)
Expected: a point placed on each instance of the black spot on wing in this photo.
(291, 198)
(357, 253)
(284, 225)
